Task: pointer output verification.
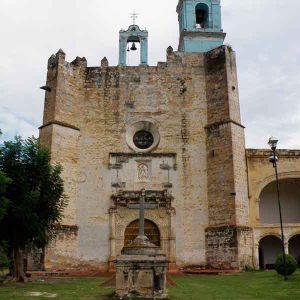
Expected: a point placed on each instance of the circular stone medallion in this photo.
(142, 136)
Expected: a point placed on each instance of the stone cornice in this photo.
(157, 154)
(63, 124)
(205, 34)
(262, 153)
(229, 227)
(69, 228)
(223, 123)
(131, 199)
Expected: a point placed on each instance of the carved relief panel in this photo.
(143, 170)
(133, 172)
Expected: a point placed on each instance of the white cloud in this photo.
(12, 125)
(262, 33)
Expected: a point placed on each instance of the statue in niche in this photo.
(142, 172)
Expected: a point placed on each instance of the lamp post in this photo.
(273, 159)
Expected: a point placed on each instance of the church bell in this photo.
(133, 47)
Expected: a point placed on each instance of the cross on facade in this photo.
(142, 214)
(134, 16)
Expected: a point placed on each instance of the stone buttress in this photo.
(60, 133)
(228, 237)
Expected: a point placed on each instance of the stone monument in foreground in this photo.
(141, 268)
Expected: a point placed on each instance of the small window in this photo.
(143, 139)
(202, 16)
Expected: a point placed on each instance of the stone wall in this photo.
(87, 115)
(62, 253)
(260, 174)
(191, 105)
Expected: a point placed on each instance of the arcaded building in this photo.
(175, 130)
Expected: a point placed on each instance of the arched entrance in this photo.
(151, 231)
(290, 202)
(269, 249)
(294, 247)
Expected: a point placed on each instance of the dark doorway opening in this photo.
(151, 231)
(269, 249)
(294, 247)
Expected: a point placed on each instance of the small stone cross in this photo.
(134, 16)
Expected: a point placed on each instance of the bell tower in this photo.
(200, 25)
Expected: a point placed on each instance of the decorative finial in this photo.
(60, 51)
(170, 50)
(134, 16)
(104, 62)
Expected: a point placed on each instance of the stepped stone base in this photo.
(141, 271)
(141, 276)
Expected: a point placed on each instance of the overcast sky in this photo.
(264, 34)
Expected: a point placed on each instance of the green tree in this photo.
(4, 181)
(4, 262)
(35, 199)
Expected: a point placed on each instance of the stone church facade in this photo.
(175, 130)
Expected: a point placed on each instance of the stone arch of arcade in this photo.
(269, 248)
(261, 174)
(294, 246)
(290, 202)
(266, 223)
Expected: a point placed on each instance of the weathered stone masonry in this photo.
(192, 101)
(86, 116)
(228, 207)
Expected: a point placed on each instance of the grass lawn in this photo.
(256, 285)
(252, 285)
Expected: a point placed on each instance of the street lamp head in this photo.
(273, 159)
(273, 141)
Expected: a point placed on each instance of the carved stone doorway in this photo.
(159, 229)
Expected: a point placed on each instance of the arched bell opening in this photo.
(133, 41)
(269, 249)
(289, 198)
(202, 15)
(294, 247)
(151, 231)
(133, 51)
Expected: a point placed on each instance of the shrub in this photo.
(249, 269)
(291, 265)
